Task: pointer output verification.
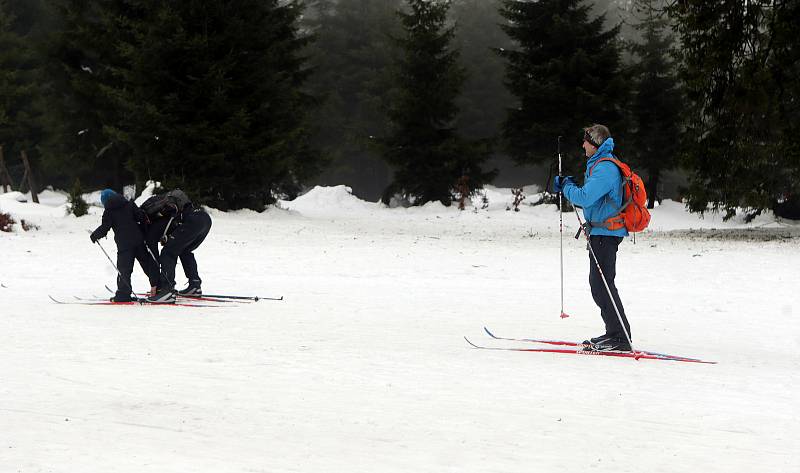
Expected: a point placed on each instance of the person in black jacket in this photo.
(127, 220)
(184, 230)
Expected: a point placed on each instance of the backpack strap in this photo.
(625, 171)
(616, 161)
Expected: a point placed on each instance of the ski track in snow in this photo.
(363, 366)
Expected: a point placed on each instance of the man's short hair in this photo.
(596, 134)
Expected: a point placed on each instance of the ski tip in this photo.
(488, 332)
(472, 344)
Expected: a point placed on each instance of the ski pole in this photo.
(135, 297)
(561, 233)
(161, 274)
(150, 252)
(248, 298)
(605, 283)
(155, 260)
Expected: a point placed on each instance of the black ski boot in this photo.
(601, 338)
(193, 289)
(587, 344)
(609, 344)
(163, 296)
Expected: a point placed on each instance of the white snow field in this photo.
(363, 368)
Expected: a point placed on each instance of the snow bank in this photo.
(19, 205)
(330, 201)
(338, 202)
(671, 215)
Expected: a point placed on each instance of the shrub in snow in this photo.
(462, 191)
(77, 206)
(484, 199)
(27, 226)
(519, 196)
(6, 222)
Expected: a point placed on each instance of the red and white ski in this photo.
(136, 302)
(573, 348)
(575, 344)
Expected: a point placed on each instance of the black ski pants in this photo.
(605, 249)
(181, 244)
(125, 259)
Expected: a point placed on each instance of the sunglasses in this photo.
(588, 138)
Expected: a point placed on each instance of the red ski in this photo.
(183, 298)
(579, 351)
(577, 345)
(137, 302)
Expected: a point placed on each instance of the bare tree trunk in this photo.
(652, 188)
(23, 184)
(5, 177)
(29, 172)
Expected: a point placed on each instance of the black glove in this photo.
(95, 236)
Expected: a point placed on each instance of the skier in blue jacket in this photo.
(601, 197)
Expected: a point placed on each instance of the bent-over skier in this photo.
(184, 230)
(127, 220)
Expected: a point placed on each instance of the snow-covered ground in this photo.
(363, 368)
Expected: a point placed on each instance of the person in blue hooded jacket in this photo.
(127, 221)
(601, 198)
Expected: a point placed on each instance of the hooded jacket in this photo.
(169, 219)
(126, 219)
(602, 192)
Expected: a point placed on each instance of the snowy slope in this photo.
(363, 368)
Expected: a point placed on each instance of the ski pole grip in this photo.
(559, 154)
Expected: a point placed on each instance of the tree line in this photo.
(241, 102)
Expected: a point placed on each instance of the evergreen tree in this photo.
(485, 98)
(77, 206)
(80, 57)
(428, 156)
(210, 96)
(657, 104)
(352, 59)
(741, 68)
(20, 77)
(565, 73)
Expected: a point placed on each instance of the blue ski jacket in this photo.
(601, 194)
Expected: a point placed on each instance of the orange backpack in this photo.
(633, 215)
